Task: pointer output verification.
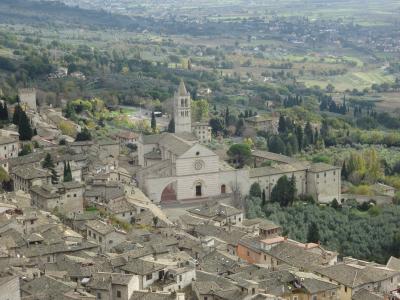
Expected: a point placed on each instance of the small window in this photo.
(180, 277)
(197, 153)
(345, 289)
(98, 295)
(248, 253)
(74, 195)
(118, 294)
(149, 276)
(100, 239)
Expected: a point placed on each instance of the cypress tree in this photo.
(263, 198)
(24, 127)
(153, 122)
(5, 112)
(48, 162)
(16, 115)
(300, 137)
(282, 125)
(67, 172)
(309, 134)
(171, 126)
(313, 233)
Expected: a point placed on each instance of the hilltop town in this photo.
(88, 219)
(199, 150)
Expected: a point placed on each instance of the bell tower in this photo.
(182, 111)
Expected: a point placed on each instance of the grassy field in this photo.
(351, 80)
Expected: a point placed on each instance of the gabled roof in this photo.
(100, 226)
(300, 257)
(393, 263)
(353, 275)
(175, 144)
(364, 294)
(142, 267)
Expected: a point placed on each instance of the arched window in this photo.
(182, 102)
(198, 190)
(223, 189)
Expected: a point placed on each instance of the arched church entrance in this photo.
(169, 193)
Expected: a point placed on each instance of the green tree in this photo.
(313, 233)
(26, 149)
(171, 126)
(217, 125)
(263, 198)
(16, 115)
(200, 110)
(240, 154)
(24, 127)
(4, 115)
(84, 135)
(255, 190)
(48, 162)
(276, 145)
(308, 135)
(67, 172)
(284, 191)
(153, 122)
(282, 128)
(155, 221)
(300, 136)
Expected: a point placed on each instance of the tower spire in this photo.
(182, 89)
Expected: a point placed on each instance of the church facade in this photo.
(177, 166)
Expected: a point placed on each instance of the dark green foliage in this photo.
(240, 154)
(26, 149)
(67, 172)
(24, 127)
(217, 125)
(3, 112)
(284, 192)
(171, 126)
(361, 235)
(255, 190)
(313, 233)
(335, 204)
(48, 162)
(16, 115)
(308, 135)
(84, 135)
(153, 122)
(282, 125)
(263, 198)
(276, 145)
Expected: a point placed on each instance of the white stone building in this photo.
(184, 169)
(176, 167)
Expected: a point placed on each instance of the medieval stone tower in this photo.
(182, 113)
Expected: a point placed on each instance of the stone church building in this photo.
(177, 166)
